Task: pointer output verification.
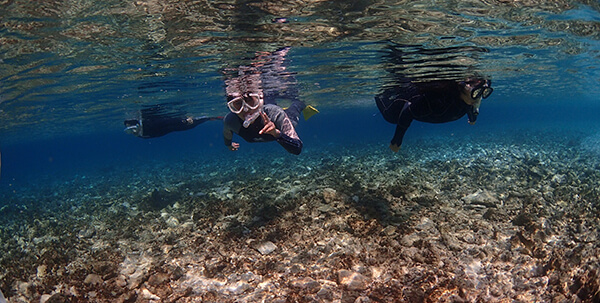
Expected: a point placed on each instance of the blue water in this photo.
(72, 72)
(74, 156)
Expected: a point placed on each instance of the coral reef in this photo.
(501, 219)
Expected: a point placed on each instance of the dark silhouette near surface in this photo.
(156, 122)
(432, 101)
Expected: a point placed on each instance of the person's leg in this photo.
(199, 120)
(293, 112)
(269, 99)
(390, 105)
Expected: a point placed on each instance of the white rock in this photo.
(425, 224)
(238, 288)
(172, 222)
(266, 248)
(43, 298)
(353, 280)
(41, 271)
(93, 279)
(146, 294)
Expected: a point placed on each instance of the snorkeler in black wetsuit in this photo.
(255, 115)
(407, 98)
(432, 102)
(154, 123)
(274, 124)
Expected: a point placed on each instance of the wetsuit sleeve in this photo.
(289, 138)
(404, 121)
(159, 126)
(228, 128)
(202, 119)
(293, 146)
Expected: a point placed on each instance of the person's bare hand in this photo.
(395, 148)
(234, 146)
(269, 126)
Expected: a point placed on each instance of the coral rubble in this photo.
(487, 221)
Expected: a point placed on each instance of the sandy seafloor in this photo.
(503, 218)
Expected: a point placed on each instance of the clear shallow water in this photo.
(76, 192)
(83, 66)
(75, 188)
(72, 71)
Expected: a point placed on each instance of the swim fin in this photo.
(309, 111)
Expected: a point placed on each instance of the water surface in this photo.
(83, 66)
(495, 208)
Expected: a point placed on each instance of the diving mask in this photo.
(248, 102)
(132, 130)
(482, 90)
(133, 127)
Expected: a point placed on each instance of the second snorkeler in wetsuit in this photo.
(433, 102)
(255, 122)
(254, 115)
(153, 122)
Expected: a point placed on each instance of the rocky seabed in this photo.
(443, 221)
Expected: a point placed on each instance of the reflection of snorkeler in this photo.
(255, 115)
(155, 123)
(434, 101)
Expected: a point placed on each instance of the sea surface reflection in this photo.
(85, 65)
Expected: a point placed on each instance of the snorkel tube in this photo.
(249, 119)
(133, 127)
(132, 130)
(255, 111)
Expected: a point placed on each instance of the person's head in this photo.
(132, 127)
(475, 89)
(244, 95)
(247, 106)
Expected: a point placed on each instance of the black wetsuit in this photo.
(432, 102)
(159, 126)
(285, 122)
(272, 79)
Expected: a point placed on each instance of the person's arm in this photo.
(227, 136)
(404, 121)
(286, 135)
(228, 132)
(290, 144)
